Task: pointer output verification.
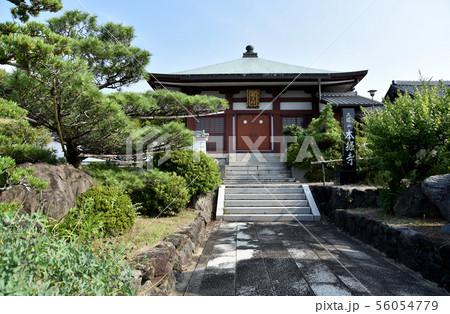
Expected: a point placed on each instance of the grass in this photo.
(149, 231)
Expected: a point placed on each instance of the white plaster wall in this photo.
(295, 93)
(243, 106)
(298, 105)
(243, 94)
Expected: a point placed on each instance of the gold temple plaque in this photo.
(252, 98)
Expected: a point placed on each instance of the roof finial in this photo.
(250, 53)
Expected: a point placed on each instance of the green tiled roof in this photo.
(252, 66)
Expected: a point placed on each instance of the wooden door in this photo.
(253, 132)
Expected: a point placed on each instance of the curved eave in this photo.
(157, 80)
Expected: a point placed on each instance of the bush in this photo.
(411, 136)
(387, 200)
(126, 179)
(79, 223)
(34, 262)
(154, 191)
(18, 139)
(369, 170)
(293, 130)
(200, 171)
(165, 193)
(109, 205)
(10, 175)
(327, 134)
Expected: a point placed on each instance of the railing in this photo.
(323, 162)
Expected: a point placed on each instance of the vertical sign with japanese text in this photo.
(348, 138)
(253, 98)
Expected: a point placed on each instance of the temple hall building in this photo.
(264, 96)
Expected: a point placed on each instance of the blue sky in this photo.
(393, 39)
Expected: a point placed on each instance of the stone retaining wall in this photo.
(330, 197)
(157, 268)
(429, 256)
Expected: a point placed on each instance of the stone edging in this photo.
(429, 256)
(156, 268)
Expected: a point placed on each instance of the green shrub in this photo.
(109, 205)
(200, 171)
(11, 175)
(80, 223)
(165, 193)
(327, 134)
(23, 153)
(293, 130)
(387, 200)
(126, 179)
(411, 136)
(34, 262)
(6, 207)
(18, 139)
(370, 170)
(155, 191)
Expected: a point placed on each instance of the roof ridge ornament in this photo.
(250, 53)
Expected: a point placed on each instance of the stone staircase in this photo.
(247, 168)
(262, 189)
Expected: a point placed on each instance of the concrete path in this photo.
(286, 259)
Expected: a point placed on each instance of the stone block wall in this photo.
(429, 256)
(330, 197)
(156, 268)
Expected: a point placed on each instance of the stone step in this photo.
(280, 185)
(263, 190)
(268, 210)
(268, 217)
(257, 176)
(266, 203)
(259, 172)
(266, 196)
(257, 164)
(256, 167)
(248, 157)
(259, 181)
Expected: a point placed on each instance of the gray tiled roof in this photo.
(348, 99)
(253, 66)
(410, 87)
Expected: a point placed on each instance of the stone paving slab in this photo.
(297, 259)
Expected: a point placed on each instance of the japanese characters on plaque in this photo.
(253, 98)
(348, 137)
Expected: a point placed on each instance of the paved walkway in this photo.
(285, 259)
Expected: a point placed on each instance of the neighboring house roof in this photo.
(409, 87)
(348, 99)
(251, 71)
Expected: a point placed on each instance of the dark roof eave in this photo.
(192, 78)
(201, 77)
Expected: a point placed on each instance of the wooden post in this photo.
(323, 172)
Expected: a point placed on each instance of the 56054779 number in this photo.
(405, 305)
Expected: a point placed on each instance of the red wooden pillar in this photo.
(190, 123)
(277, 123)
(228, 132)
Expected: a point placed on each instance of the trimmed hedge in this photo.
(164, 193)
(200, 171)
(110, 205)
